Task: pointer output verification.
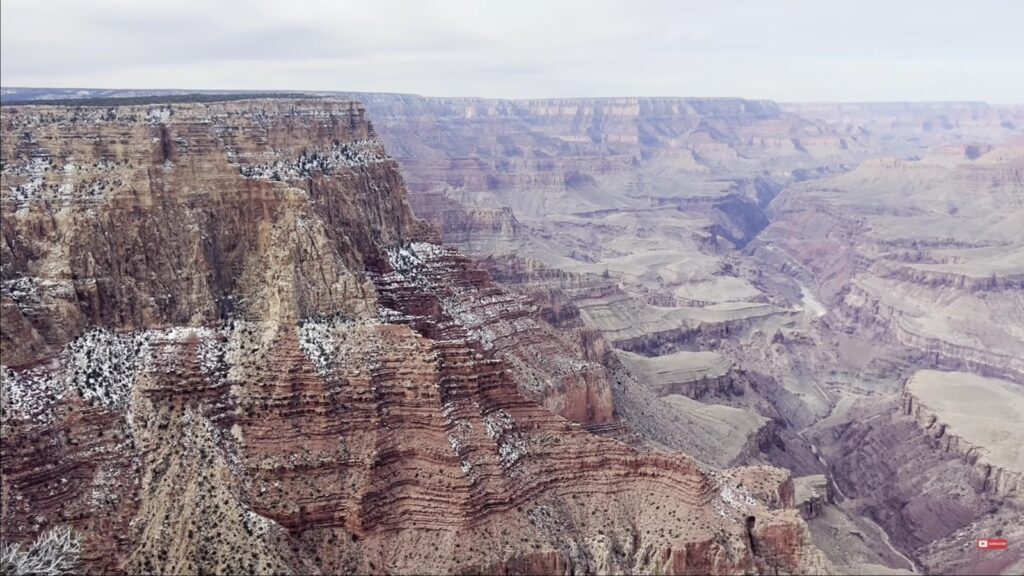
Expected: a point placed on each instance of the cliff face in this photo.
(974, 418)
(985, 476)
(132, 217)
(936, 466)
(229, 346)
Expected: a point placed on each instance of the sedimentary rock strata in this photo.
(229, 346)
(927, 253)
(976, 418)
(829, 251)
(745, 282)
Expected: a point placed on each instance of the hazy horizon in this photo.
(796, 51)
(193, 90)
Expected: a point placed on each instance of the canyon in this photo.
(233, 348)
(774, 276)
(354, 332)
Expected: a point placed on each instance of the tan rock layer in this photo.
(343, 401)
(985, 476)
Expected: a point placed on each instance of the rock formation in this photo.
(229, 346)
(976, 419)
(746, 282)
(811, 494)
(828, 251)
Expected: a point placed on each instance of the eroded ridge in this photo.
(213, 368)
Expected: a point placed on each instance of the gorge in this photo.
(352, 333)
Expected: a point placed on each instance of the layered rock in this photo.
(232, 348)
(692, 374)
(634, 327)
(931, 490)
(130, 217)
(548, 367)
(974, 418)
(922, 252)
(908, 125)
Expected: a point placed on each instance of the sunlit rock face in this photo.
(229, 346)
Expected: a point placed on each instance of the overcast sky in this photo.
(790, 50)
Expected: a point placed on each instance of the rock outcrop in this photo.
(979, 430)
(229, 346)
(929, 488)
(812, 494)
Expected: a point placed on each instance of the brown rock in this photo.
(237, 351)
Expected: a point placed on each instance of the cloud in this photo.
(786, 49)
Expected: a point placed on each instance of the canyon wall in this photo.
(621, 251)
(230, 346)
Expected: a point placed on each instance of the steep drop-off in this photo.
(229, 346)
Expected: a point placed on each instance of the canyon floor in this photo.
(462, 335)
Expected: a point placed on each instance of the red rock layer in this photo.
(343, 401)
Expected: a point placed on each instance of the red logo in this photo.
(993, 543)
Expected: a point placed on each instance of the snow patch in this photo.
(511, 444)
(30, 394)
(102, 365)
(341, 155)
(732, 500)
(410, 260)
(328, 343)
(317, 340)
(34, 173)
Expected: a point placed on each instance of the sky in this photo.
(786, 50)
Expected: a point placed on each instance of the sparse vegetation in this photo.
(56, 551)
